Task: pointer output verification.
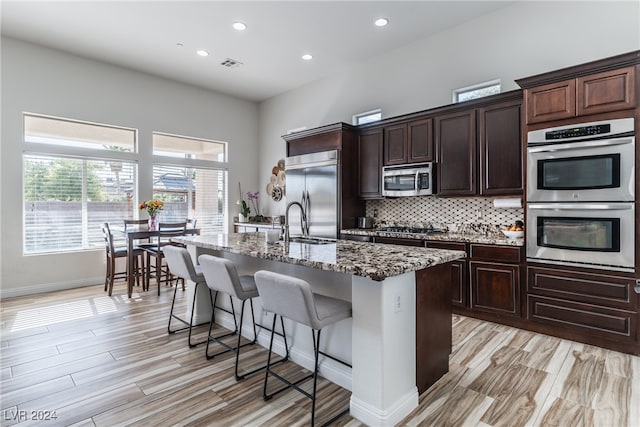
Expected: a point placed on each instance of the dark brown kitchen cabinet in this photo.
(607, 91)
(588, 93)
(456, 151)
(495, 279)
(420, 137)
(395, 144)
(370, 164)
(598, 308)
(501, 149)
(410, 142)
(459, 282)
(495, 288)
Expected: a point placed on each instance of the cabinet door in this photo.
(607, 91)
(551, 102)
(456, 152)
(395, 144)
(495, 288)
(420, 141)
(501, 149)
(370, 164)
(459, 282)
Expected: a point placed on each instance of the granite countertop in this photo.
(371, 260)
(491, 239)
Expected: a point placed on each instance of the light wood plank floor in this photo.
(97, 361)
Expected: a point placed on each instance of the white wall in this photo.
(525, 39)
(40, 80)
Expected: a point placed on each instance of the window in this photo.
(76, 175)
(190, 176)
(476, 91)
(367, 117)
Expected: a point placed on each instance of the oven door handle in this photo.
(582, 206)
(577, 145)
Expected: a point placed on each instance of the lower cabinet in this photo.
(495, 288)
(579, 304)
(459, 281)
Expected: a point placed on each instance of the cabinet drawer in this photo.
(593, 320)
(609, 291)
(496, 253)
(398, 241)
(452, 246)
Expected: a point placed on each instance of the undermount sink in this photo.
(311, 240)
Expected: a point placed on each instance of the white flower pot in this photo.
(242, 218)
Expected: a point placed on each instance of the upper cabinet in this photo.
(370, 164)
(456, 147)
(408, 142)
(330, 137)
(501, 151)
(479, 148)
(602, 86)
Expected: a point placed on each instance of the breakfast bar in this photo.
(399, 337)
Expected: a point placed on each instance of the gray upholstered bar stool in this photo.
(292, 298)
(221, 276)
(180, 264)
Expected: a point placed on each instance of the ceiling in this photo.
(162, 37)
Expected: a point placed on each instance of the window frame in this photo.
(478, 86)
(355, 120)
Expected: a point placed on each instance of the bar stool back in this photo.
(180, 264)
(292, 298)
(221, 276)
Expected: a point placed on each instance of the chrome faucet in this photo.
(303, 220)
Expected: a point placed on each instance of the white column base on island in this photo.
(383, 349)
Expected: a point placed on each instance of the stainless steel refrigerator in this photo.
(312, 180)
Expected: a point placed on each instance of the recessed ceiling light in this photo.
(307, 57)
(179, 44)
(240, 26)
(381, 22)
(202, 53)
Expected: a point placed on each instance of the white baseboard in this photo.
(49, 287)
(376, 418)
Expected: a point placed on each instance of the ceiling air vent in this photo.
(231, 63)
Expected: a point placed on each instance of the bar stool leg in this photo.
(189, 324)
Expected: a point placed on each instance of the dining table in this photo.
(141, 233)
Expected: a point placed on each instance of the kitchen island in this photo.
(399, 337)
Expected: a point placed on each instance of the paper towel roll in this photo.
(508, 203)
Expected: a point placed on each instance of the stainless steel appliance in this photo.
(581, 193)
(597, 235)
(408, 180)
(582, 163)
(365, 222)
(313, 181)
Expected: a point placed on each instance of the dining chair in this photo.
(160, 271)
(113, 253)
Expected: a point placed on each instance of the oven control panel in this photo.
(578, 132)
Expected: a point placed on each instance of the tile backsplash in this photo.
(449, 211)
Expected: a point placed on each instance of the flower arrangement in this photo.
(253, 199)
(152, 206)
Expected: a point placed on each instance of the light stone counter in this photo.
(491, 239)
(399, 296)
(376, 262)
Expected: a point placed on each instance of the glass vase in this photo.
(153, 223)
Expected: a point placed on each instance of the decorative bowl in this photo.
(513, 234)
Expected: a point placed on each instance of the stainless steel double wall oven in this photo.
(581, 195)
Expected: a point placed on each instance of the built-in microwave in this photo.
(408, 180)
(586, 162)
